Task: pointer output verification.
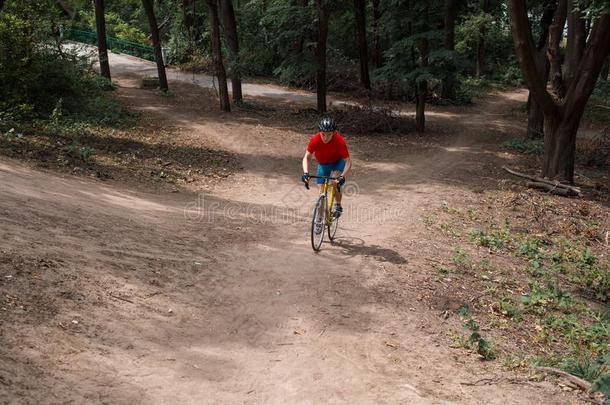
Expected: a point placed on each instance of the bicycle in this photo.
(323, 214)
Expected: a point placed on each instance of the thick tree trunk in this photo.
(230, 29)
(360, 6)
(323, 17)
(448, 84)
(560, 146)
(102, 47)
(553, 52)
(603, 75)
(377, 57)
(217, 54)
(154, 33)
(562, 118)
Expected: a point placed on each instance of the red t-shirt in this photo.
(330, 152)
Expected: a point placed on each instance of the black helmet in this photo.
(327, 124)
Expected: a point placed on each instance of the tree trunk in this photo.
(562, 117)
(1, 4)
(154, 33)
(535, 118)
(230, 30)
(421, 90)
(102, 47)
(360, 6)
(323, 17)
(576, 41)
(189, 17)
(223, 90)
(603, 75)
(553, 51)
(448, 85)
(480, 62)
(377, 57)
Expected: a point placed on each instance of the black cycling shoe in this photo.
(338, 210)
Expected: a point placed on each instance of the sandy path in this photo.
(218, 298)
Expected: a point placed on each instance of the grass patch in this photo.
(525, 145)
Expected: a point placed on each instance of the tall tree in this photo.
(230, 30)
(360, 9)
(154, 33)
(480, 62)
(102, 47)
(561, 116)
(217, 54)
(323, 17)
(535, 117)
(450, 15)
(377, 60)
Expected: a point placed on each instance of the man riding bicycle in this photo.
(330, 151)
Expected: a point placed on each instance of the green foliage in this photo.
(541, 298)
(77, 151)
(525, 145)
(476, 341)
(494, 238)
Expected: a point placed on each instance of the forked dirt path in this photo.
(217, 297)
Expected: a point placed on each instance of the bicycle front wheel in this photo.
(332, 228)
(318, 223)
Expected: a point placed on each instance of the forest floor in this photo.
(173, 265)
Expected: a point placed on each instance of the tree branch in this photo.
(594, 56)
(525, 50)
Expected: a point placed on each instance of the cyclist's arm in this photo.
(306, 162)
(348, 167)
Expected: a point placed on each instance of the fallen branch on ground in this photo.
(554, 187)
(579, 382)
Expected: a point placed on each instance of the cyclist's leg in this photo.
(336, 171)
(323, 170)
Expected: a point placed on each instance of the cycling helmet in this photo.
(327, 124)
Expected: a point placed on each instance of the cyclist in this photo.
(330, 151)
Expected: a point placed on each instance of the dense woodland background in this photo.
(415, 51)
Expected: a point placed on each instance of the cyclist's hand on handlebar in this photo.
(340, 180)
(305, 178)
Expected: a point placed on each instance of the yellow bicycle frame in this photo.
(329, 199)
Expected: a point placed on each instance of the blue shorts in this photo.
(327, 169)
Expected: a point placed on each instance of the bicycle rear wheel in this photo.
(318, 223)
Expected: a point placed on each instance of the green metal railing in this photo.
(114, 44)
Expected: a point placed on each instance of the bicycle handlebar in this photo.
(323, 177)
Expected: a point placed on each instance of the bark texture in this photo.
(561, 117)
(360, 9)
(102, 46)
(154, 33)
(221, 74)
(230, 30)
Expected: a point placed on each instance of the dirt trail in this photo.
(218, 298)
